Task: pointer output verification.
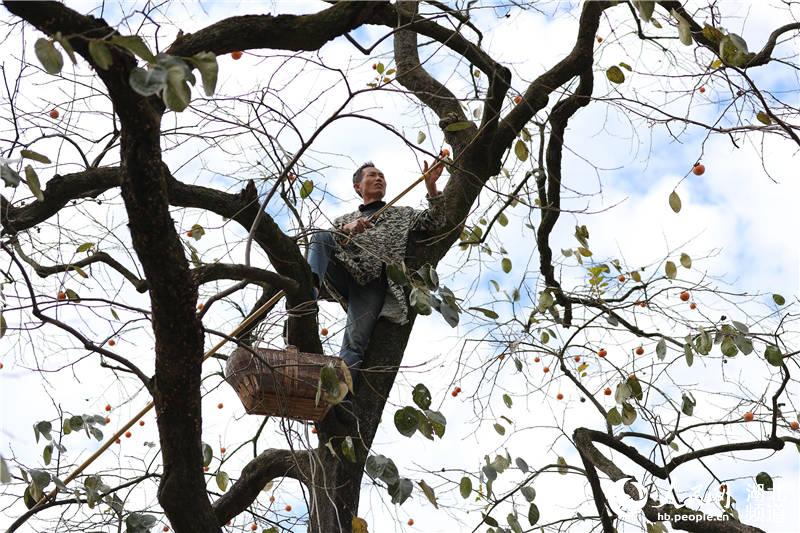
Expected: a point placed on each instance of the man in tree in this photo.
(351, 259)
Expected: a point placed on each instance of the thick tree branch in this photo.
(269, 465)
(681, 518)
(284, 32)
(59, 191)
(217, 271)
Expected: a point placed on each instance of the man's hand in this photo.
(357, 226)
(433, 174)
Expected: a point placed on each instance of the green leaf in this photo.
(728, 347)
(626, 67)
(613, 417)
(380, 68)
(396, 273)
(741, 327)
(459, 126)
(5, 473)
(684, 29)
(562, 466)
(733, 50)
(420, 300)
(687, 404)
(100, 53)
(688, 354)
(48, 56)
(671, 270)
(528, 493)
(507, 400)
(421, 137)
(505, 264)
(348, 450)
(47, 454)
(177, 95)
(72, 295)
(712, 34)
(521, 150)
(533, 514)
(85, 247)
(406, 421)
(502, 219)
(773, 355)
(400, 491)
(330, 388)
(546, 301)
(306, 189)
(465, 487)
(9, 175)
(208, 454)
(513, 523)
(36, 156)
(744, 344)
(778, 299)
(148, 82)
(206, 63)
(64, 42)
(427, 490)
(628, 414)
(675, 201)
(765, 480)
(686, 261)
(488, 313)
(615, 75)
(661, 349)
(489, 521)
(645, 8)
(222, 480)
(421, 396)
(763, 118)
(135, 45)
(499, 429)
(33, 183)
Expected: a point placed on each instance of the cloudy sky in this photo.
(620, 168)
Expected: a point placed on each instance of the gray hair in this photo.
(358, 174)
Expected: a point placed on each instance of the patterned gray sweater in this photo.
(364, 255)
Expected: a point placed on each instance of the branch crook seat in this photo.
(283, 383)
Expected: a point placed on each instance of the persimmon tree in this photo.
(112, 188)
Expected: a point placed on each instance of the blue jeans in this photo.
(364, 302)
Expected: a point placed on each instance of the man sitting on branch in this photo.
(351, 258)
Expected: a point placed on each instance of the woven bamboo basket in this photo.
(279, 382)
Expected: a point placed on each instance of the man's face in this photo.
(372, 185)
